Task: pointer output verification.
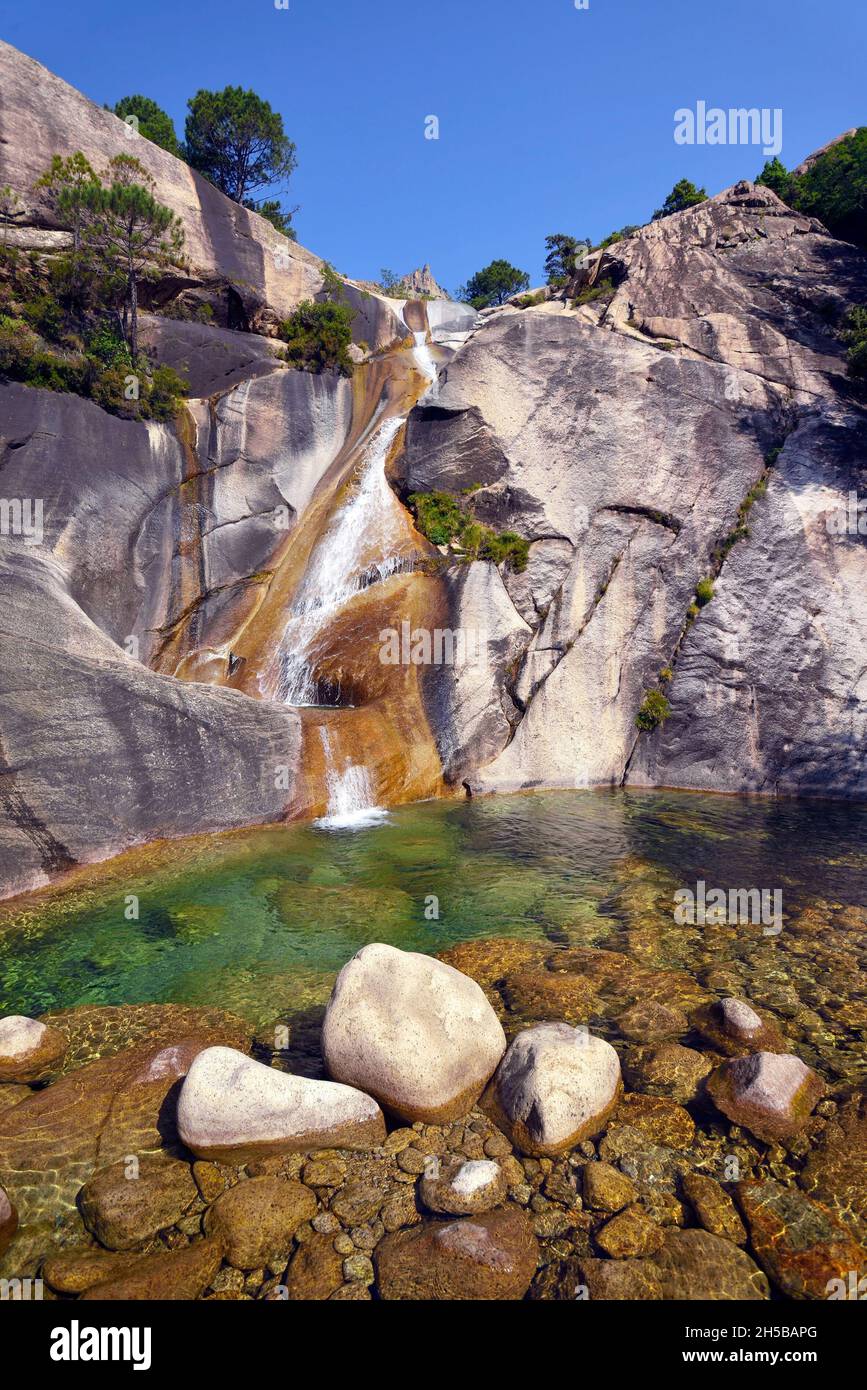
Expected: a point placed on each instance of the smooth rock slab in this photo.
(798, 1242)
(690, 1265)
(232, 1109)
(555, 1087)
(770, 1094)
(413, 1032)
(28, 1049)
(170, 1276)
(463, 1188)
(836, 1171)
(491, 1257)
(122, 1207)
(257, 1220)
(79, 1270)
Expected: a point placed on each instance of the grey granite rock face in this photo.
(621, 438)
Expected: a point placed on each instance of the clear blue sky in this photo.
(551, 118)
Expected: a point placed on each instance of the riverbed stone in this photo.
(649, 1165)
(835, 1173)
(548, 994)
(714, 1207)
(661, 1119)
(555, 1087)
(799, 1243)
(29, 1051)
(629, 1234)
(413, 1032)
(648, 1022)
(489, 960)
(668, 1070)
(8, 1221)
(489, 1257)
(170, 1275)
(770, 1094)
(126, 1202)
(256, 1220)
(459, 1187)
(691, 1265)
(606, 1188)
(735, 1028)
(315, 1270)
(233, 1109)
(74, 1271)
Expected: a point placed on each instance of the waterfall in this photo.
(350, 793)
(363, 544)
(424, 360)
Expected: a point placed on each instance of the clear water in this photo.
(260, 922)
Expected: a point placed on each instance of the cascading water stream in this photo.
(350, 793)
(362, 545)
(365, 543)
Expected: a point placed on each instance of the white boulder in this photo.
(413, 1032)
(555, 1087)
(28, 1049)
(233, 1109)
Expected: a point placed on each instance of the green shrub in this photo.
(593, 292)
(438, 516)
(165, 393)
(528, 301)
(318, 338)
(654, 711)
(703, 592)
(666, 674)
(855, 336)
(441, 518)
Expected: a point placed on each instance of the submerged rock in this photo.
(555, 1086)
(315, 1271)
(8, 1221)
(731, 1026)
(78, 1270)
(413, 1032)
(629, 1234)
(463, 1187)
(770, 1094)
(667, 1070)
(233, 1109)
(490, 1257)
(122, 1206)
(691, 1265)
(836, 1171)
(171, 1275)
(29, 1051)
(606, 1189)
(714, 1207)
(257, 1220)
(798, 1242)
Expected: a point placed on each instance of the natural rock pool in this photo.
(259, 923)
(566, 909)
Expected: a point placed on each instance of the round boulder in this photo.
(733, 1027)
(29, 1051)
(555, 1087)
(257, 1220)
(233, 1110)
(413, 1032)
(771, 1094)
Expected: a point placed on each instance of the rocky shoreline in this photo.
(463, 1147)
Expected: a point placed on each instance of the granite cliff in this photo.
(681, 414)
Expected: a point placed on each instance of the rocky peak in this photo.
(422, 282)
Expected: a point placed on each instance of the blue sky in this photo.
(551, 118)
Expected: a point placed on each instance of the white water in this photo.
(424, 360)
(350, 794)
(362, 544)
